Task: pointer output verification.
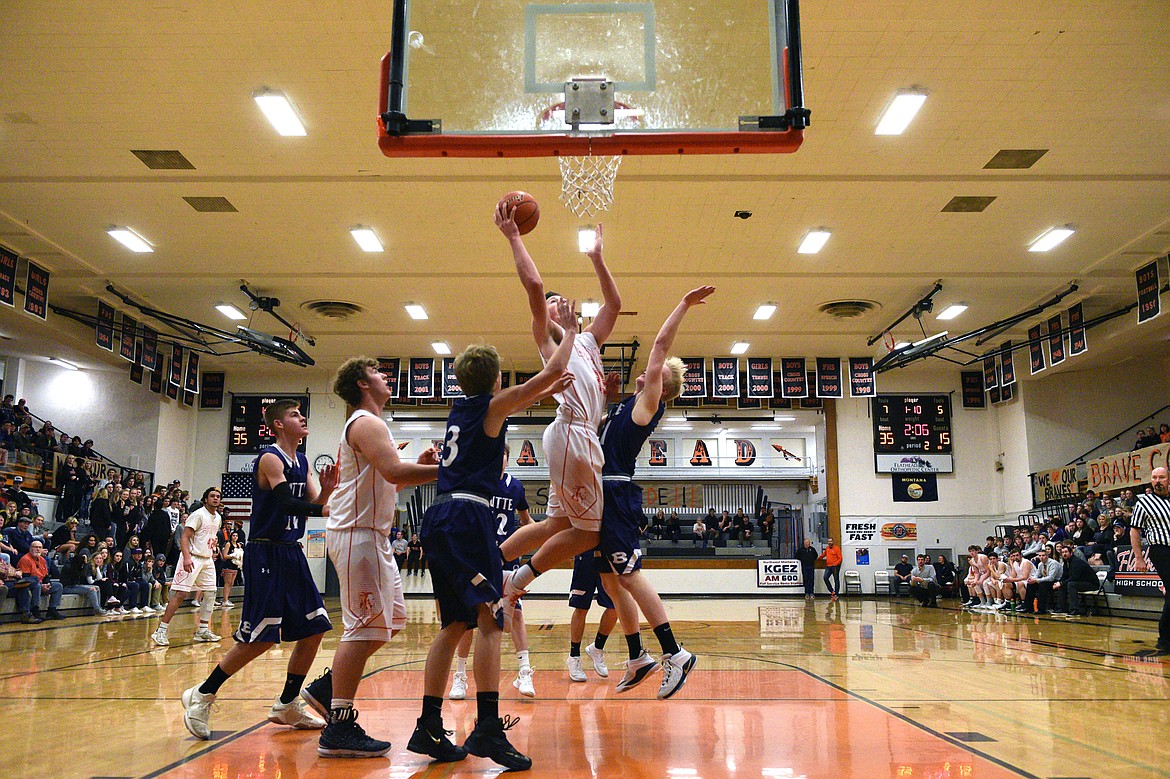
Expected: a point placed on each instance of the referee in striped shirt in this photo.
(1152, 513)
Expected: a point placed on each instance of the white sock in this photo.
(522, 657)
(523, 577)
(461, 665)
(163, 626)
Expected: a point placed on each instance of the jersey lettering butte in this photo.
(268, 519)
(509, 499)
(622, 438)
(584, 400)
(470, 459)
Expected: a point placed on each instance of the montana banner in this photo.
(759, 377)
(1036, 349)
(451, 388)
(8, 277)
(973, 396)
(1007, 365)
(104, 330)
(422, 377)
(126, 338)
(36, 291)
(725, 374)
(795, 381)
(862, 383)
(1055, 340)
(1149, 291)
(829, 377)
(694, 378)
(1077, 340)
(391, 367)
(914, 488)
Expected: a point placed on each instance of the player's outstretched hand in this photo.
(697, 297)
(328, 475)
(613, 387)
(565, 314)
(595, 253)
(429, 457)
(563, 382)
(505, 222)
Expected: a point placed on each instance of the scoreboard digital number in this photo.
(912, 434)
(247, 433)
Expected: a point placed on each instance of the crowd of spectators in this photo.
(1150, 437)
(712, 529)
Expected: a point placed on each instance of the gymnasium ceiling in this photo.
(84, 83)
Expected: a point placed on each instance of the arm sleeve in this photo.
(295, 506)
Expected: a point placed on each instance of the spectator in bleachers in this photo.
(45, 442)
(7, 409)
(7, 442)
(658, 525)
(73, 582)
(946, 573)
(74, 482)
(19, 538)
(767, 525)
(726, 526)
(699, 531)
(99, 513)
(159, 594)
(64, 540)
(115, 571)
(1164, 432)
(24, 440)
(711, 520)
(1147, 437)
(1082, 535)
(95, 574)
(673, 527)
(743, 528)
(35, 569)
(924, 582)
(16, 494)
(137, 585)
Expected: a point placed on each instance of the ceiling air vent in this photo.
(1014, 159)
(211, 205)
(967, 204)
(848, 309)
(163, 159)
(333, 309)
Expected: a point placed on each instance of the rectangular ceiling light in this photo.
(64, 364)
(952, 311)
(130, 239)
(814, 242)
(899, 113)
(366, 238)
(589, 308)
(677, 427)
(1051, 238)
(416, 311)
(230, 311)
(765, 311)
(739, 347)
(414, 426)
(280, 112)
(586, 238)
(767, 427)
(441, 347)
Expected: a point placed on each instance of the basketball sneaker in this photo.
(675, 669)
(206, 636)
(576, 672)
(135, 610)
(198, 712)
(636, 671)
(598, 658)
(488, 740)
(319, 693)
(346, 738)
(459, 686)
(430, 739)
(523, 683)
(159, 636)
(295, 715)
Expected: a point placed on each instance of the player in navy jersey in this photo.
(281, 601)
(511, 509)
(459, 536)
(622, 436)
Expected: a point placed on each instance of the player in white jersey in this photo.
(995, 585)
(976, 576)
(570, 442)
(1016, 582)
(361, 518)
(196, 568)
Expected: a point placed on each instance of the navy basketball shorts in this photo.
(620, 541)
(281, 601)
(587, 583)
(459, 538)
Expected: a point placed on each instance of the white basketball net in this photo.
(587, 183)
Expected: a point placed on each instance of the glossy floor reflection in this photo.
(783, 689)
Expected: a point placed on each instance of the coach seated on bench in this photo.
(924, 583)
(901, 576)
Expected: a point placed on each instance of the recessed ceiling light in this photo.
(1051, 238)
(130, 239)
(366, 238)
(739, 347)
(230, 311)
(441, 347)
(784, 419)
(586, 238)
(952, 311)
(765, 311)
(814, 241)
(589, 308)
(280, 112)
(416, 311)
(64, 364)
(898, 114)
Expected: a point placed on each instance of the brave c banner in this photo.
(829, 377)
(451, 388)
(795, 384)
(7, 277)
(104, 331)
(151, 358)
(973, 396)
(126, 338)
(391, 367)
(422, 377)
(694, 378)
(759, 377)
(1055, 340)
(725, 371)
(1149, 290)
(36, 291)
(862, 383)
(990, 374)
(1078, 342)
(1007, 365)
(175, 375)
(1036, 349)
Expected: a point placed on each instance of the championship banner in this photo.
(973, 395)
(392, 368)
(8, 277)
(451, 388)
(422, 377)
(136, 373)
(795, 381)
(151, 358)
(1007, 365)
(725, 375)
(1128, 469)
(138, 353)
(1078, 342)
(1149, 291)
(36, 291)
(744, 401)
(156, 382)
(1060, 484)
(993, 395)
(694, 378)
(191, 380)
(188, 398)
(1036, 349)
(126, 338)
(104, 331)
(1006, 393)
(829, 377)
(915, 488)
(171, 391)
(175, 375)
(505, 379)
(1055, 341)
(990, 374)
(862, 382)
(212, 395)
(759, 377)
(810, 400)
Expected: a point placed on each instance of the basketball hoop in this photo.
(587, 183)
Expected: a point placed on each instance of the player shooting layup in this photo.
(570, 442)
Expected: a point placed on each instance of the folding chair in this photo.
(881, 579)
(853, 582)
(1098, 597)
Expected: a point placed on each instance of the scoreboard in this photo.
(247, 433)
(912, 434)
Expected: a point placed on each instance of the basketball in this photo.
(524, 210)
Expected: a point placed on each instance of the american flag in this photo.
(237, 495)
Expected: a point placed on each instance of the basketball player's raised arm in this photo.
(651, 394)
(611, 299)
(271, 477)
(368, 435)
(552, 378)
(529, 278)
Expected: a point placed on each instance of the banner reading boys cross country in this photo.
(1128, 469)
